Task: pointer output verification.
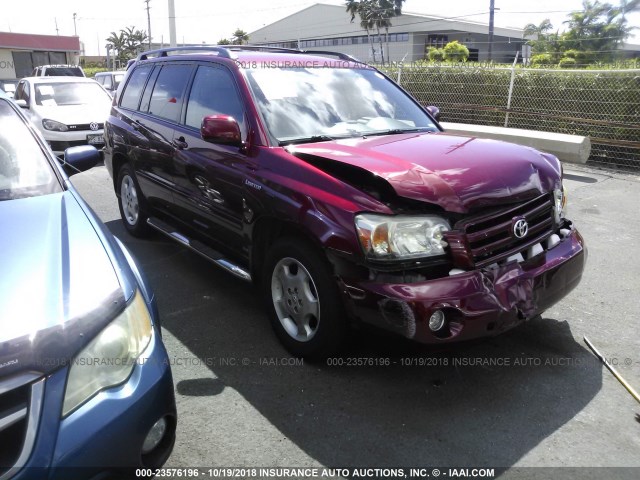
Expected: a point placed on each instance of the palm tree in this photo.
(378, 14)
(363, 9)
(118, 45)
(239, 37)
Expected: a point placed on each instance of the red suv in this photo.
(319, 178)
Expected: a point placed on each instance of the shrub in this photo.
(568, 62)
(542, 59)
(455, 52)
(435, 54)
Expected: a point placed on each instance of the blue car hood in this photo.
(58, 286)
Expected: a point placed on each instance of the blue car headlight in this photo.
(111, 357)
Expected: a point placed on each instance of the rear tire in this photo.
(132, 203)
(302, 300)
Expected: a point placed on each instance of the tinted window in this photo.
(167, 96)
(24, 169)
(63, 72)
(106, 81)
(133, 89)
(213, 92)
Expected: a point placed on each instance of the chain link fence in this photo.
(603, 105)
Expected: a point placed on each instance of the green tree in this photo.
(224, 41)
(598, 29)
(127, 43)
(239, 37)
(375, 14)
(539, 36)
(364, 10)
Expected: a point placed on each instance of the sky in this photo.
(207, 21)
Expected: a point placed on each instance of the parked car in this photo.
(319, 178)
(85, 382)
(58, 71)
(109, 80)
(69, 111)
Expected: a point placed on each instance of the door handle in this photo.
(180, 143)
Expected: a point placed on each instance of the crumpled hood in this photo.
(58, 287)
(459, 174)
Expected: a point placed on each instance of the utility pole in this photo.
(172, 23)
(148, 22)
(75, 31)
(56, 20)
(492, 8)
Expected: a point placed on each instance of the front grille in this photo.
(20, 403)
(486, 239)
(85, 126)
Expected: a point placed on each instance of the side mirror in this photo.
(22, 103)
(434, 111)
(81, 158)
(221, 129)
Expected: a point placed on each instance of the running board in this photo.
(200, 248)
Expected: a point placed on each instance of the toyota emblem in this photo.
(94, 126)
(520, 227)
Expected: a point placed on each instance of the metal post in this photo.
(148, 22)
(492, 8)
(401, 68)
(75, 32)
(172, 24)
(513, 77)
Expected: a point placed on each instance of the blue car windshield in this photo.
(24, 168)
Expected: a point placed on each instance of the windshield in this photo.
(310, 104)
(24, 169)
(59, 94)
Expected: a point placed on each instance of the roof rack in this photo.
(225, 51)
(164, 52)
(340, 55)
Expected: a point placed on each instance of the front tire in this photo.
(132, 203)
(303, 300)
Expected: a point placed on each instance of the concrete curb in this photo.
(568, 148)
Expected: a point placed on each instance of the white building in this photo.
(329, 27)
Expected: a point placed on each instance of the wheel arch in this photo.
(267, 231)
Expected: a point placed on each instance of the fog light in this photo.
(436, 321)
(154, 436)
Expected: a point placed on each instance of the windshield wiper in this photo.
(397, 131)
(311, 139)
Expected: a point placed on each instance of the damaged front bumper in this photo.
(476, 303)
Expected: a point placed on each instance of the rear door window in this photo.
(168, 92)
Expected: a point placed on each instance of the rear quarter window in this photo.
(133, 89)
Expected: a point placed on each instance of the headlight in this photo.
(110, 358)
(53, 125)
(560, 201)
(389, 238)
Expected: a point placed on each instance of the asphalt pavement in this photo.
(534, 397)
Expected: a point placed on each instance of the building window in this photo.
(437, 41)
